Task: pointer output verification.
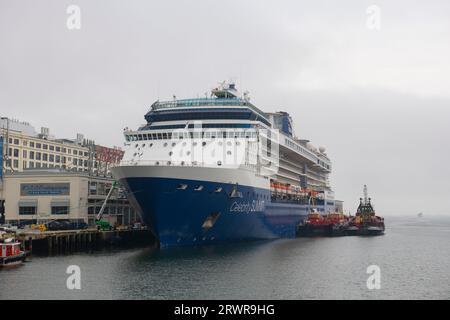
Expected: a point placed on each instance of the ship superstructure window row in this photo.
(190, 135)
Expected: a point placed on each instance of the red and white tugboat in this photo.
(365, 222)
(10, 253)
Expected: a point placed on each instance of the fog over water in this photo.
(377, 99)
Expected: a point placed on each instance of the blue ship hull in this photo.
(177, 217)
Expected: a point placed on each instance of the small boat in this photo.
(365, 222)
(10, 253)
(333, 224)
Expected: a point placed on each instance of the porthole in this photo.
(182, 163)
(229, 153)
(165, 144)
(136, 145)
(174, 144)
(238, 143)
(188, 153)
(151, 145)
(157, 163)
(170, 153)
(229, 143)
(184, 144)
(219, 163)
(203, 143)
(143, 145)
(195, 143)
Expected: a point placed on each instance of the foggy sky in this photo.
(377, 99)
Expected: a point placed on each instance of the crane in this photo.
(101, 224)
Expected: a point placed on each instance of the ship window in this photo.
(164, 135)
(182, 163)
(198, 188)
(170, 153)
(140, 137)
(169, 163)
(157, 163)
(238, 143)
(218, 189)
(203, 143)
(188, 153)
(219, 163)
(165, 144)
(150, 145)
(182, 186)
(229, 152)
(173, 144)
(195, 143)
(159, 136)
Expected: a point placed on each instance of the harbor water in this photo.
(413, 259)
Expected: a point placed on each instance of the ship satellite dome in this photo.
(322, 149)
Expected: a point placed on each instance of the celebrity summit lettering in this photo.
(247, 207)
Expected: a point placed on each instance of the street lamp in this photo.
(7, 142)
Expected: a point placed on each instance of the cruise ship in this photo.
(219, 169)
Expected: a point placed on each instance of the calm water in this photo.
(414, 257)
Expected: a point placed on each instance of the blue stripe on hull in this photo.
(176, 216)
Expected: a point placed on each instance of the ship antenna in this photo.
(365, 194)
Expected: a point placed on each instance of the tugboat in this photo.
(10, 253)
(333, 224)
(313, 225)
(365, 222)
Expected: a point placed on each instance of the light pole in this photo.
(7, 142)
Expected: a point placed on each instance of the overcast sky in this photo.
(378, 99)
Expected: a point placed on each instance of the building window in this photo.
(57, 159)
(38, 145)
(31, 144)
(16, 163)
(27, 210)
(64, 150)
(51, 158)
(16, 153)
(52, 148)
(38, 164)
(75, 161)
(58, 149)
(38, 156)
(75, 152)
(60, 210)
(24, 153)
(31, 165)
(45, 146)
(25, 143)
(16, 141)
(44, 157)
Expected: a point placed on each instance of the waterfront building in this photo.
(45, 178)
